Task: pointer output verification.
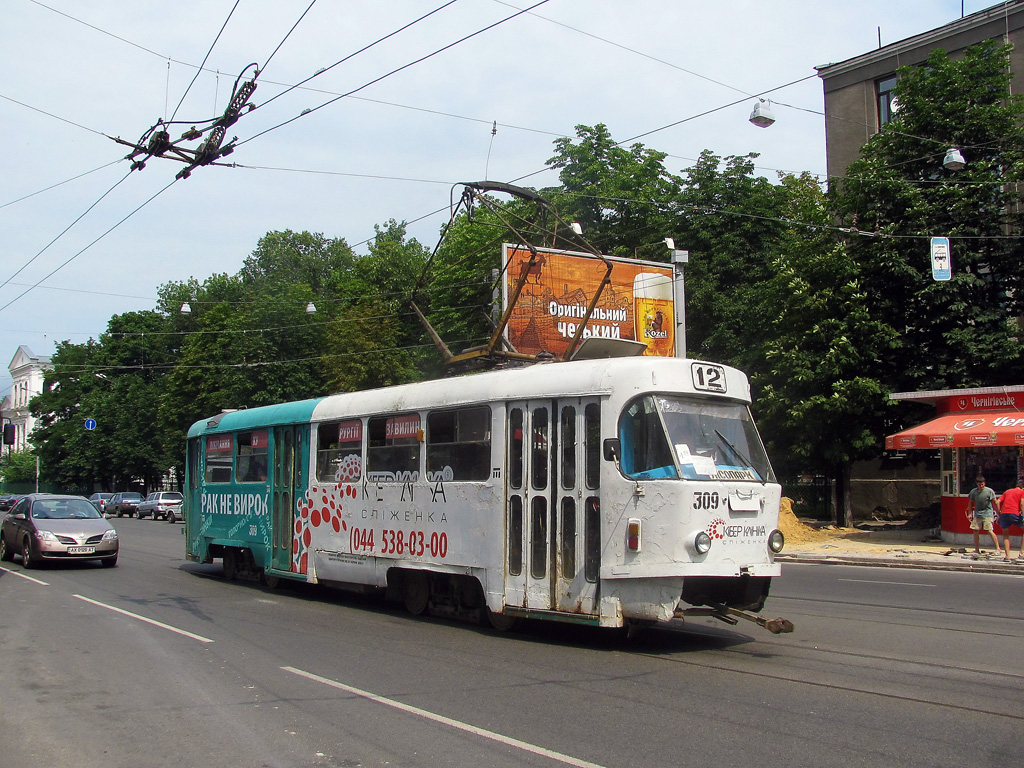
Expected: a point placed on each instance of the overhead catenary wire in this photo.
(83, 250)
(357, 52)
(386, 75)
(212, 46)
(62, 183)
(58, 237)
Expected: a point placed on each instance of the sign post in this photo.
(941, 264)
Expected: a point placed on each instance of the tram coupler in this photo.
(731, 615)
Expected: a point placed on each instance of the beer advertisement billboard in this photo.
(637, 305)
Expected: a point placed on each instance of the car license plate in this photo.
(81, 550)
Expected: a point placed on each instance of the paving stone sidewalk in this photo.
(897, 549)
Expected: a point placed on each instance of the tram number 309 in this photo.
(706, 500)
(397, 542)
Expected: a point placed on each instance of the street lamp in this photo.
(762, 115)
(954, 160)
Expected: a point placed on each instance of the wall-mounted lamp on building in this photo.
(762, 115)
(186, 309)
(310, 308)
(954, 160)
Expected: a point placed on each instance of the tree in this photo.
(618, 195)
(965, 331)
(18, 466)
(820, 403)
(731, 221)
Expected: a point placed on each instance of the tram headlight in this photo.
(702, 543)
(776, 541)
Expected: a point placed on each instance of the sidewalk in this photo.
(917, 548)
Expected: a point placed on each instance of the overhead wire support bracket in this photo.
(495, 349)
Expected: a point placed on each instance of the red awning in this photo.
(962, 430)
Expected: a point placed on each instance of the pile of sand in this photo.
(795, 531)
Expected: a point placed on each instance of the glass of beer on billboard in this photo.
(654, 317)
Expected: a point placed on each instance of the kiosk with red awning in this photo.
(977, 432)
(960, 430)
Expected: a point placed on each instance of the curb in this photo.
(964, 567)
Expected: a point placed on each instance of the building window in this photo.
(887, 105)
(1000, 466)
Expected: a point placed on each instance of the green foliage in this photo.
(18, 466)
(618, 195)
(962, 332)
(819, 401)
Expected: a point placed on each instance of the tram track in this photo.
(977, 678)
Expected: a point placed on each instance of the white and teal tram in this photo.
(607, 492)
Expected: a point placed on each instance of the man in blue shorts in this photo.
(1010, 513)
(983, 505)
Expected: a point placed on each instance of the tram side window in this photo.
(515, 448)
(193, 463)
(592, 539)
(645, 450)
(339, 452)
(592, 426)
(251, 466)
(393, 448)
(515, 535)
(567, 443)
(219, 458)
(539, 449)
(459, 445)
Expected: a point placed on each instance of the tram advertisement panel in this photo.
(637, 305)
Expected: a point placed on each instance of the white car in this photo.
(162, 505)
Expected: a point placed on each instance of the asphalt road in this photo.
(160, 662)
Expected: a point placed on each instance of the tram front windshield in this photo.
(673, 437)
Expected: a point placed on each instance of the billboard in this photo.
(637, 305)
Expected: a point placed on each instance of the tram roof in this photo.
(564, 379)
(580, 378)
(251, 418)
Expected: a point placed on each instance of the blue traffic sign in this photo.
(90, 424)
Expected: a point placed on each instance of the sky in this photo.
(384, 134)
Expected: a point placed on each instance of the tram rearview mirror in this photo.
(611, 449)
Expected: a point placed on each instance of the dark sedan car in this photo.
(44, 526)
(124, 503)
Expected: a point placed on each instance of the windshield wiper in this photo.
(740, 455)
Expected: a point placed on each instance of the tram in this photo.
(610, 492)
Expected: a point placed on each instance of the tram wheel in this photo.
(416, 592)
(230, 564)
(269, 580)
(501, 621)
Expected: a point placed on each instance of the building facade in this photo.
(27, 371)
(858, 91)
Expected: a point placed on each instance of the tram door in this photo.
(283, 497)
(546, 509)
(575, 485)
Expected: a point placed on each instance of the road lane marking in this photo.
(897, 583)
(155, 623)
(24, 576)
(507, 740)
